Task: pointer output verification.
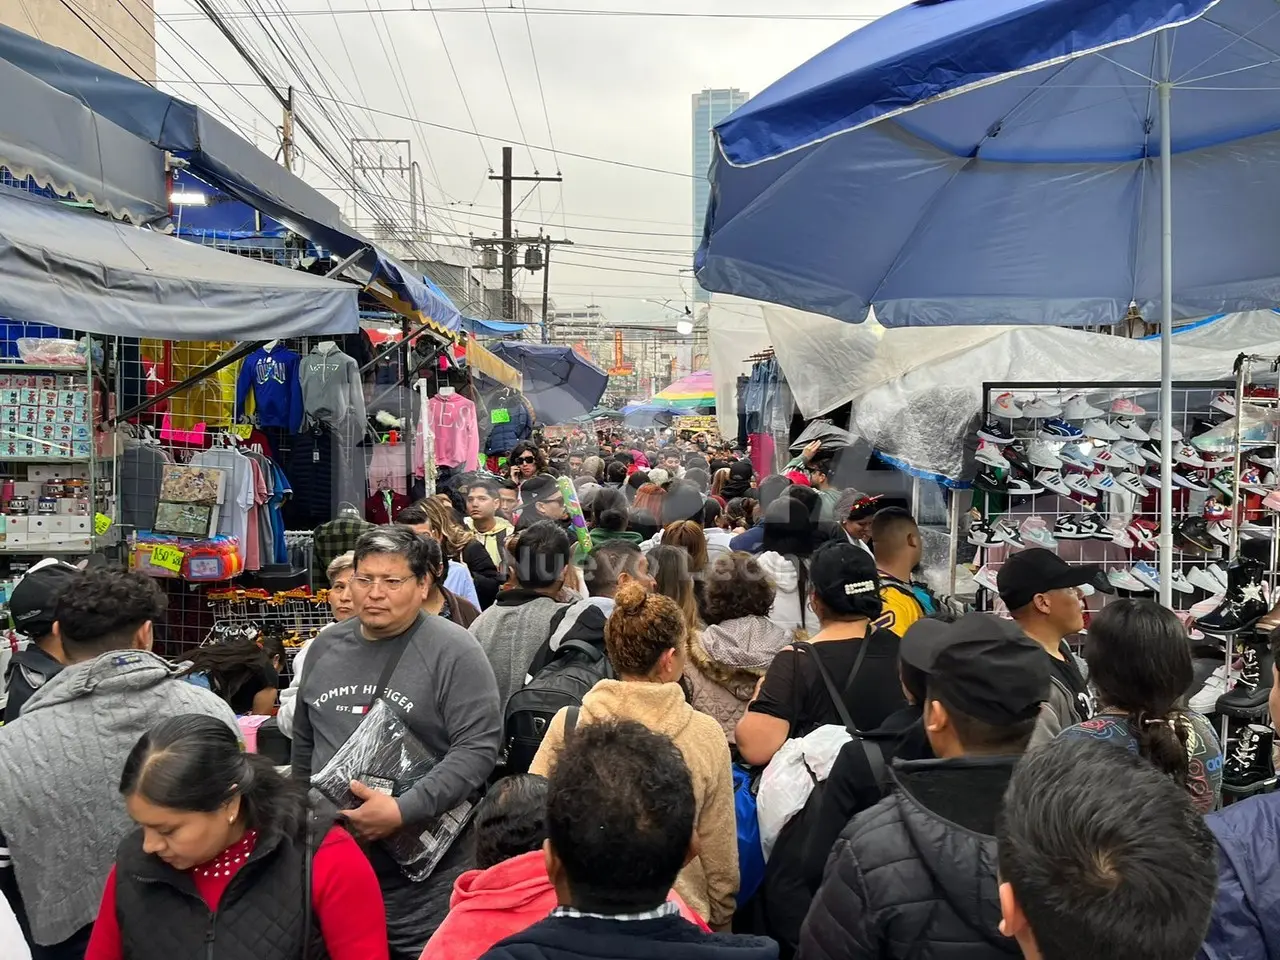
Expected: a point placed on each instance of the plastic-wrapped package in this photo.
(385, 755)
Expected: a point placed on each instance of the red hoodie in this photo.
(491, 905)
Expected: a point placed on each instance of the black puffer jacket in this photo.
(915, 876)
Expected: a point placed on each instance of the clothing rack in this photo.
(766, 354)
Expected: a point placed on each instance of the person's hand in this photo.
(812, 450)
(377, 816)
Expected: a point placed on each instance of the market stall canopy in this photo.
(72, 268)
(917, 396)
(56, 140)
(559, 382)
(690, 394)
(492, 328)
(225, 160)
(998, 162)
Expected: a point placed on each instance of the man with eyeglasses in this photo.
(542, 500)
(434, 675)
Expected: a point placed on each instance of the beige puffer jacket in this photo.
(725, 663)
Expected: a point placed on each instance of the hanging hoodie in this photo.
(725, 663)
(709, 882)
(269, 381)
(332, 391)
(453, 426)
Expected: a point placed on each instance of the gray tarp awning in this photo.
(54, 138)
(71, 268)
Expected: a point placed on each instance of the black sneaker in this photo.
(1016, 454)
(1194, 532)
(993, 432)
(992, 480)
(1068, 528)
(1093, 529)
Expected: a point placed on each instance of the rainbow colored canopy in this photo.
(693, 392)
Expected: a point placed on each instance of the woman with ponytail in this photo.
(1140, 668)
(230, 861)
(646, 637)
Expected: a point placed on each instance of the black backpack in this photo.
(563, 681)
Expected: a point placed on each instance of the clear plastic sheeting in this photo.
(916, 393)
(735, 331)
(386, 756)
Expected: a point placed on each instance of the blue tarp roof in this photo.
(491, 328)
(222, 158)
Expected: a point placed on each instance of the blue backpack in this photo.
(750, 851)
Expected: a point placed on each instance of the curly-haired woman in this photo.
(728, 658)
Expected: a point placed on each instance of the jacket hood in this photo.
(119, 671)
(745, 646)
(514, 884)
(949, 808)
(659, 706)
(780, 570)
(500, 526)
(606, 536)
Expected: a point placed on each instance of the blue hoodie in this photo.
(273, 380)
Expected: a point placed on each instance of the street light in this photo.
(684, 328)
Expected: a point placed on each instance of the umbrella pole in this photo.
(1166, 330)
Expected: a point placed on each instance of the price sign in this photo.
(167, 558)
(500, 415)
(101, 523)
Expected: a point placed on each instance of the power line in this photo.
(537, 73)
(101, 39)
(579, 12)
(458, 80)
(502, 66)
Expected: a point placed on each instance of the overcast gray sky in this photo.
(616, 87)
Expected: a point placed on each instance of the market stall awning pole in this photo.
(235, 354)
(1166, 330)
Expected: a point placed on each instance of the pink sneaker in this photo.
(1125, 407)
(1272, 500)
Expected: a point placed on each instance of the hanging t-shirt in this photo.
(233, 517)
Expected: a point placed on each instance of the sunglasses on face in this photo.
(526, 460)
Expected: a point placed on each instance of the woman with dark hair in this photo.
(1140, 668)
(610, 517)
(461, 545)
(441, 601)
(794, 700)
(791, 534)
(739, 515)
(243, 672)
(632, 484)
(229, 860)
(669, 567)
(526, 460)
(728, 657)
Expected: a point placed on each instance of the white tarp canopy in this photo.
(71, 268)
(735, 331)
(916, 392)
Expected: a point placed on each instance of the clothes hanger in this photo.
(270, 345)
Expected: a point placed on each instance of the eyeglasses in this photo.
(525, 460)
(391, 583)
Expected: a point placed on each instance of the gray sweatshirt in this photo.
(443, 688)
(332, 391)
(510, 633)
(60, 765)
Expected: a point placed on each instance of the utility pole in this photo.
(286, 132)
(546, 283)
(508, 179)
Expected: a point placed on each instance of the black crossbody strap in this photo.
(380, 691)
(836, 698)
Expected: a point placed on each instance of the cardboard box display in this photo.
(46, 381)
(28, 413)
(29, 396)
(9, 397)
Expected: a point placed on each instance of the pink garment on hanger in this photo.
(762, 452)
(453, 424)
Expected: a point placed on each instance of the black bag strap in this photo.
(571, 722)
(306, 889)
(836, 697)
(380, 691)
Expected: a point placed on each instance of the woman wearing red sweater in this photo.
(229, 861)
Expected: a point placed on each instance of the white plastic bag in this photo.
(790, 776)
(385, 755)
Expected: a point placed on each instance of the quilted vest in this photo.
(162, 917)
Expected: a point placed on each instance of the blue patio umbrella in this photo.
(1014, 161)
(560, 383)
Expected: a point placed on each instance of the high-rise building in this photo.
(709, 108)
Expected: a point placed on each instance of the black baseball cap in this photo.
(538, 489)
(1029, 572)
(840, 571)
(983, 666)
(34, 600)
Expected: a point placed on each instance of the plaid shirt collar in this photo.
(666, 909)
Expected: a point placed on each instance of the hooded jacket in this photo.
(64, 825)
(29, 670)
(709, 882)
(1246, 917)
(791, 610)
(915, 876)
(725, 663)
(490, 905)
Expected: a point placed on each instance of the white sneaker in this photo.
(1205, 700)
(1102, 481)
(1124, 580)
(1128, 429)
(1224, 402)
(1131, 482)
(1052, 481)
(1018, 487)
(1215, 571)
(1179, 583)
(1079, 408)
(989, 453)
(1220, 530)
(1119, 532)
(1041, 453)
(1154, 430)
(986, 577)
(1127, 406)
(1100, 430)
(1005, 532)
(1006, 407)
(1039, 409)
(1128, 451)
(1035, 532)
(1078, 483)
(1206, 581)
(1188, 456)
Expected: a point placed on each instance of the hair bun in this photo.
(630, 598)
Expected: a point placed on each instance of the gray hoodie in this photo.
(332, 391)
(443, 689)
(60, 765)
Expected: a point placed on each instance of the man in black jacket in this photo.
(620, 815)
(31, 607)
(915, 876)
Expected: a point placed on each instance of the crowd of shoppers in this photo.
(989, 793)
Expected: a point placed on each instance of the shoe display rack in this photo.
(1075, 468)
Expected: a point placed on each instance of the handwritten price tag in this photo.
(101, 523)
(167, 558)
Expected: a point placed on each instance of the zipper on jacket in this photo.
(209, 936)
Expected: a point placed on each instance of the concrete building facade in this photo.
(117, 34)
